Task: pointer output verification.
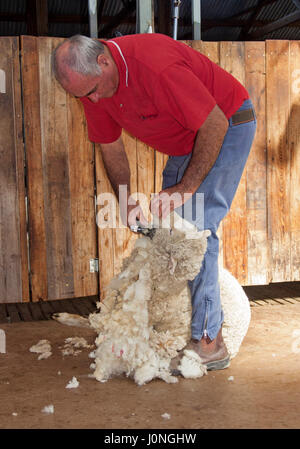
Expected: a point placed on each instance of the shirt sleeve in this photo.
(101, 126)
(184, 96)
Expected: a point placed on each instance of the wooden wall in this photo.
(48, 192)
(60, 181)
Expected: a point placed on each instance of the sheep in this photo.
(145, 316)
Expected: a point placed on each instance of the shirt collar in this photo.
(119, 59)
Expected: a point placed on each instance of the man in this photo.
(182, 104)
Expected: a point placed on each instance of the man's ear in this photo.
(102, 60)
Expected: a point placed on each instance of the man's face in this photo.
(94, 87)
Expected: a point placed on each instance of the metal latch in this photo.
(94, 265)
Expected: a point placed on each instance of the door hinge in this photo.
(94, 265)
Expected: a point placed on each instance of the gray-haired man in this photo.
(182, 104)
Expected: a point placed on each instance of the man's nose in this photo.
(94, 97)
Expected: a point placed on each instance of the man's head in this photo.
(85, 68)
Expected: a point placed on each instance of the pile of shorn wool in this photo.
(145, 316)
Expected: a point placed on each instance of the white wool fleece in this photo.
(145, 317)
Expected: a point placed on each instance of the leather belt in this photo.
(243, 117)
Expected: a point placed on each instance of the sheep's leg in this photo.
(71, 319)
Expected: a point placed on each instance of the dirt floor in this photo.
(261, 388)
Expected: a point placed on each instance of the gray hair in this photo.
(81, 57)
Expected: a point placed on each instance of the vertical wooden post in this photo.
(14, 286)
(164, 24)
(37, 17)
(258, 248)
(294, 142)
(278, 111)
(232, 59)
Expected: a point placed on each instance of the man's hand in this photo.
(136, 213)
(164, 202)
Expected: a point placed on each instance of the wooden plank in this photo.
(115, 243)
(145, 176)
(20, 161)
(82, 180)
(235, 224)
(160, 162)
(258, 254)
(124, 239)
(278, 172)
(56, 177)
(209, 49)
(294, 143)
(35, 184)
(105, 235)
(11, 243)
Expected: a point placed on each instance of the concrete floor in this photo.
(264, 392)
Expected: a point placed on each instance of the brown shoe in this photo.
(213, 353)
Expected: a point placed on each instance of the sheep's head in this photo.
(177, 253)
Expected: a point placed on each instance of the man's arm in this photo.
(116, 164)
(118, 171)
(207, 145)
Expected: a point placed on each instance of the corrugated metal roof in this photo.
(14, 6)
(273, 12)
(277, 10)
(217, 9)
(210, 10)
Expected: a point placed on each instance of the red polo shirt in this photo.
(165, 93)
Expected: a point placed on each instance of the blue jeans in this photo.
(218, 190)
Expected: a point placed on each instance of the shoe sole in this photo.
(218, 364)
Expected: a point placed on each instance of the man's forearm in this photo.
(206, 149)
(116, 165)
(118, 171)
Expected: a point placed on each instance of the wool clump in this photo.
(43, 348)
(145, 315)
